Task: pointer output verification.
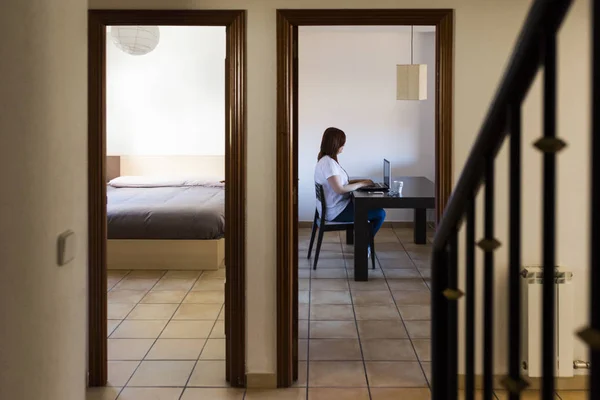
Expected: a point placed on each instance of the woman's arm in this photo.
(335, 182)
(369, 182)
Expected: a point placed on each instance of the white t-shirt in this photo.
(336, 203)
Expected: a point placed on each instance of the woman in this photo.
(336, 185)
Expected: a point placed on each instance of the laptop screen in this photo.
(387, 173)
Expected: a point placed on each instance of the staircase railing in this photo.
(535, 49)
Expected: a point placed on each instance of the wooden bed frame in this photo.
(162, 253)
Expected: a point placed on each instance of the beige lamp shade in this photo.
(411, 81)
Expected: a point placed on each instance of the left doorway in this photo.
(235, 144)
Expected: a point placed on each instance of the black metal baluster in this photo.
(548, 144)
(470, 303)
(453, 294)
(439, 324)
(515, 383)
(489, 244)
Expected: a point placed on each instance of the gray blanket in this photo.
(185, 212)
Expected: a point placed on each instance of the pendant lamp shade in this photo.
(135, 40)
(411, 79)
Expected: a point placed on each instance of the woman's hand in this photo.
(367, 182)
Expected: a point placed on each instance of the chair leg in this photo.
(372, 237)
(312, 237)
(318, 250)
(350, 235)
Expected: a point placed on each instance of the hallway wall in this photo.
(485, 33)
(43, 153)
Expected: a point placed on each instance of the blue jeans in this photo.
(375, 215)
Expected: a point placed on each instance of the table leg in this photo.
(361, 241)
(420, 226)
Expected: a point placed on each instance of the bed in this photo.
(165, 223)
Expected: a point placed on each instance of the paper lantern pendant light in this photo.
(135, 40)
(411, 79)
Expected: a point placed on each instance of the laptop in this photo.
(387, 180)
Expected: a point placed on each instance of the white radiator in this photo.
(531, 337)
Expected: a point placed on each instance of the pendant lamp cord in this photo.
(411, 44)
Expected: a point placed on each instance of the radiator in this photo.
(531, 336)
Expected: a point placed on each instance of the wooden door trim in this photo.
(235, 176)
(287, 21)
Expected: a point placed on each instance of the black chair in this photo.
(323, 225)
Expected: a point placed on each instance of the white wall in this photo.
(347, 79)
(170, 101)
(43, 150)
(485, 34)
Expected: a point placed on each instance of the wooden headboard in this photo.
(113, 167)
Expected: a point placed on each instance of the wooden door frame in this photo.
(288, 22)
(235, 176)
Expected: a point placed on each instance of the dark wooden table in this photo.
(418, 193)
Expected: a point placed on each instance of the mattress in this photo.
(160, 209)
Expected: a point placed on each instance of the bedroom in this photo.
(165, 174)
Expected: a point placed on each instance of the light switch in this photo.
(66, 247)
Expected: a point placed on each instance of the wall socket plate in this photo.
(66, 247)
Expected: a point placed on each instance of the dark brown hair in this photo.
(333, 139)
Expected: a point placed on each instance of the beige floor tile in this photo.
(403, 262)
(302, 349)
(176, 349)
(119, 372)
(117, 273)
(303, 273)
(329, 273)
(374, 274)
(423, 349)
(525, 395)
(205, 297)
(415, 313)
(153, 311)
(372, 298)
(338, 394)
(303, 329)
(119, 310)
(302, 374)
(187, 330)
(102, 393)
(331, 313)
(164, 297)
(329, 284)
(137, 329)
(418, 329)
(302, 311)
(574, 395)
(221, 315)
(174, 284)
(146, 274)
(333, 330)
(427, 369)
(128, 349)
(409, 284)
(393, 329)
(425, 273)
(136, 284)
(407, 273)
(303, 296)
(412, 297)
(303, 284)
(370, 285)
(134, 393)
(162, 373)
(209, 284)
(111, 326)
(214, 349)
(398, 394)
(212, 394)
(178, 274)
(277, 394)
(336, 374)
(125, 296)
(334, 350)
(395, 374)
(208, 312)
(388, 350)
(218, 331)
(387, 312)
(478, 395)
(578, 382)
(208, 374)
(219, 274)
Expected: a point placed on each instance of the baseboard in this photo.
(261, 381)
(577, 382)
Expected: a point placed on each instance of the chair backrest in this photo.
(321, 199)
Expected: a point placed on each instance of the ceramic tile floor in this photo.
(358, 340)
